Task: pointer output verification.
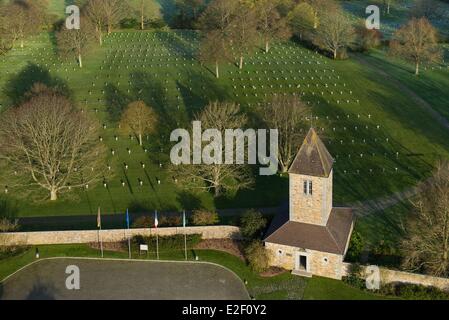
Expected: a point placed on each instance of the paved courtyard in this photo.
(109, 280)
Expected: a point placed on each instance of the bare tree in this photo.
(75, 42)
(114, 11)
(215, 23)
(302, 19)
(218, 16)
(217, 177)
(320, 8)
(93, 10)
(287, 114)
(335, 32)
(138, 119)
(271, 25)
(388, 4)
(430, 9)
(214, 49)
(426, 246)
(6, 39)
(243, 31)
(48, 144)
(23, 18)
(416, 42)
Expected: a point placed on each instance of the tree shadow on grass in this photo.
(188, 201)
(21, 83)
(116, 102)
(168, 9)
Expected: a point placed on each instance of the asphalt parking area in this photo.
(113, 279)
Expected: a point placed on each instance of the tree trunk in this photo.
(140, 139)
(142, 14)
(335, 54)
(216, 190)
(315, 19)
(21, 43)
(284, 168)
(388, 7)
(241, 63)
(53, 195)
(267, 46)
(417, 69)
(80, 60)
(217, 72)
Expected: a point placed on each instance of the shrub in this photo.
(257, 256)
(175, 220)
(7, 251)
(251, 224)
(8, 213)
(7, 225)
(143, 222)
(129, 23)
(204, 218)
(384, 248)
(368, 39)
(356, 246)
(413, 291)
(354, 278)
(8, 208)
(157, 24)
(174, 242)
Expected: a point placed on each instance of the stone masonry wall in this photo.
(315, 208)
(320, 263)
(67, 237)
(389, 276)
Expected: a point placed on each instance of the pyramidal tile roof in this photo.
(312, 159)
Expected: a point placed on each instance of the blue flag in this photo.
(127, 218)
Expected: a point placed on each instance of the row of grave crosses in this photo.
(351, 171)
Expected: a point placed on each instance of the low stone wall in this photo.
(68, 237)
(390, 276)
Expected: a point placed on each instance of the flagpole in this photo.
(156, 222)
(100, 238)
(129, 236)
(101, 242)
(185, 235)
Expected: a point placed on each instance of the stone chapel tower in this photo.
(311, 182)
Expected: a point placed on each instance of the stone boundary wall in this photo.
(389, 276)
(72, 237)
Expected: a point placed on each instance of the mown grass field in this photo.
(381, 140)
(399, 14)
(284, 286)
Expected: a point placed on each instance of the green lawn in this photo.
(381, 140)
(431, 85)
(385, 225)
(283, 286)
(399, 14)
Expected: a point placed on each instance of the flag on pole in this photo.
(127, 218)
(156, 222)
(99, 218)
